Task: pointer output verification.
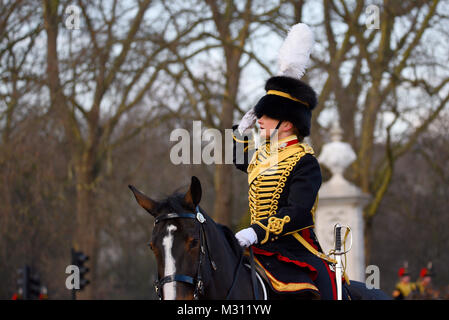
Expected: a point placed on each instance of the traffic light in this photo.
(78, 259)
(22, 282)
(34, 286)
(28, 284)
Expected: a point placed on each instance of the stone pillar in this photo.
(341, 202)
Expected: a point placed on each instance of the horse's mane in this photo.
(230, 237)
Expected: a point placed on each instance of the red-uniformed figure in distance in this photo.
(404, 287)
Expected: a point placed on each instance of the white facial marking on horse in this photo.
(169, 289)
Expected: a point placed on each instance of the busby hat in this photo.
(287, 97)
(426, 272)
(403, 271)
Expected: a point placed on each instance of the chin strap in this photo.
(276, 129)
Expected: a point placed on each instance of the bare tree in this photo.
(19, 29)
(108, 71)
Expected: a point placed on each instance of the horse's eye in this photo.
(193, 243)
(150, 244)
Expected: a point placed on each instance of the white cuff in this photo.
(246, 237)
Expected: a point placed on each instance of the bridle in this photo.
(197, 282)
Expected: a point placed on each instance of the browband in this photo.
(174, 215)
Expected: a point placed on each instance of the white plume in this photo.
(294, 53)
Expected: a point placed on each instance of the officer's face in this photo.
(268, 125)
(426, 280)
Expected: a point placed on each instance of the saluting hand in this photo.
(248, 121)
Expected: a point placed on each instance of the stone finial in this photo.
(337, 155)
(336, 131)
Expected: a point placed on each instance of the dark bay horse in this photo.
(200, 259)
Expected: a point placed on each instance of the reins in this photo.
(236, 275)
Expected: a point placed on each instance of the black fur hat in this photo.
(288, 99)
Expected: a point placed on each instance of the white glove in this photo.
(246, 237)
(248, 121)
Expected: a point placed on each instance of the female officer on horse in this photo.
(284, 178)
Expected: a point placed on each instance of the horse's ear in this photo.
(144, 201)
(193, 196)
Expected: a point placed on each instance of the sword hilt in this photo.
(337, 237)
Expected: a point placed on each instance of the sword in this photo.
(338, 266)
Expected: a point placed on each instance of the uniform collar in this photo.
(285, 142)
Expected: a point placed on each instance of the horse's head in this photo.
(176, 241)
